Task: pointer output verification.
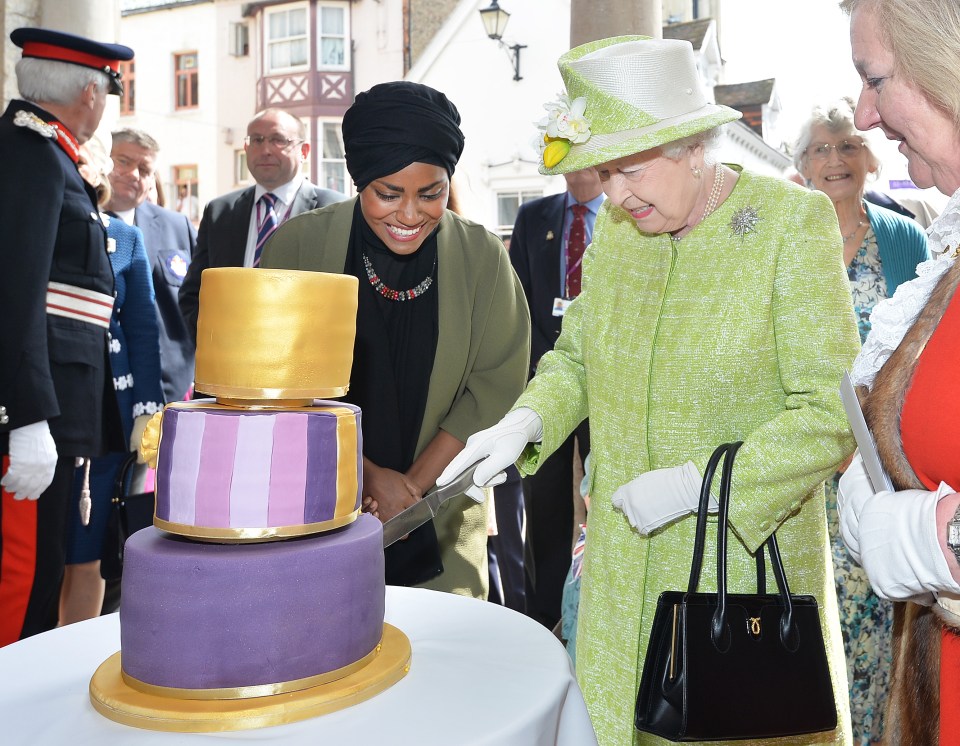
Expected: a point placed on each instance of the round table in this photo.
(479, 674)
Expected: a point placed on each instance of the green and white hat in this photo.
(625, 95)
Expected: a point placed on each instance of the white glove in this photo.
(661, 496)
(139, 425)
(854, 488)
(899, 547)
(498, 447)
(33, 460)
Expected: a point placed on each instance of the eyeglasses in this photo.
(278, 142)
(845, 149)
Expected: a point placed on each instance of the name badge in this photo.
(560, 306)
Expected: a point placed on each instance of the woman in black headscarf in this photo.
(443, 330)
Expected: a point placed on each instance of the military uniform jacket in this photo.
(53, 366)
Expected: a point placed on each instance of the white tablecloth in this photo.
(480, 674)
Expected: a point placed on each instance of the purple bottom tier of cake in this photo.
(220, 616)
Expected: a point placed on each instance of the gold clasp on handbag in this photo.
(753, 626)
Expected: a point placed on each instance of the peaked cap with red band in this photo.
(62, 47)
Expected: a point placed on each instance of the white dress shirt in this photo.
(285, 195)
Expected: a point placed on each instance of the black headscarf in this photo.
(395, 124)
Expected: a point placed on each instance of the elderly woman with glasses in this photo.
(714, 308)
(881, 249)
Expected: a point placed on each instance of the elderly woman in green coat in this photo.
(714, 308)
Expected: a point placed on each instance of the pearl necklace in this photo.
(714, 199)
(398, 295)
(853, 232)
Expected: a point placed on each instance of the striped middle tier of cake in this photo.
(254, 474)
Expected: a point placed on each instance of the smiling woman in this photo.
(443, 331)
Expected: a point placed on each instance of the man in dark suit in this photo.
(546, 251)
(235, 226)
(56, 298)
(170, 240)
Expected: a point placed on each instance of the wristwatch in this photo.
(953, 534)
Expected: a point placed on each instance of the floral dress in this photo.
(865, 619)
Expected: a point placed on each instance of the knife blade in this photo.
(426, 508)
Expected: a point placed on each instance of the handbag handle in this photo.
(120, 483)
(703, 510)
(719, 631)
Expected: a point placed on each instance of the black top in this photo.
(393, 358)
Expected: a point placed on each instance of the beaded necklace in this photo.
(398, 295)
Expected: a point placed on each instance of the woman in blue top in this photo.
(881, 249)
(135, 364)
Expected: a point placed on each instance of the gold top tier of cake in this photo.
(275, 336)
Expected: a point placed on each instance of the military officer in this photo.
(56, 297)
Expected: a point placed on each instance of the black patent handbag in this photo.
(731, 666)
(128, 514)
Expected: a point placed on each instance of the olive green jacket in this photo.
(483, 350)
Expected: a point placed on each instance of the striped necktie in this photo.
(266, 223)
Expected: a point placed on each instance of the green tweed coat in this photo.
(483, 350)
(673, 348)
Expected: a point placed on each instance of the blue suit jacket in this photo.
(535, 254)
(170, 239)
(222, 240)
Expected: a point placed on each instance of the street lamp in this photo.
(495, 22)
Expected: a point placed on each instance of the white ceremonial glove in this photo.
(853, 490)
(661, 496)
(899, 547)
(33, 460)
(497, 447)
(139, 425)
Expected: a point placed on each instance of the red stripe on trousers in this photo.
(18, 561)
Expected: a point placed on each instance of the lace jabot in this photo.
(892, 317)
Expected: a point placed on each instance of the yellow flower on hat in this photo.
(555, 151)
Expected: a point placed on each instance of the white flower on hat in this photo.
(565, 119)
(563, 126)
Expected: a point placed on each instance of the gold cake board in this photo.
(116, 700)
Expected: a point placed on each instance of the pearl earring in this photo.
(697, 171)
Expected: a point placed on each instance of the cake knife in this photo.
(426, 508)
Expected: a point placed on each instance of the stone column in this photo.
(599, 19)
(96, 19)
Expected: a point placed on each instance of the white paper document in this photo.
(868, 449)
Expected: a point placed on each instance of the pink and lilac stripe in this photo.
(251, 471)
(217, 453)
(288, 473)
(188, 435)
